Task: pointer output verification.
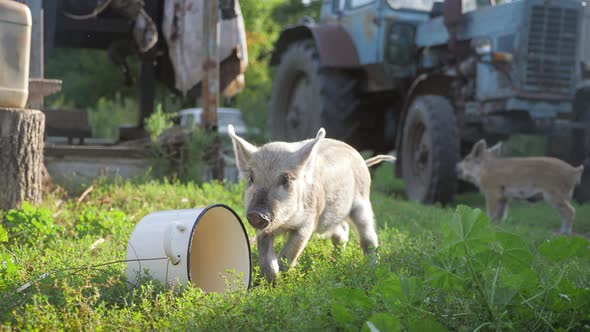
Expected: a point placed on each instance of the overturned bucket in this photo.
(207, 247)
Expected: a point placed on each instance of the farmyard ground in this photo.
(439, 269)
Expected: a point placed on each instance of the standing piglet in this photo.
(502, 180)
(303, 187)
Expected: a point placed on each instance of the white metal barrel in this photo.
(15, 49)
(207, 247)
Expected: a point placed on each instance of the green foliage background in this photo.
(91, 82)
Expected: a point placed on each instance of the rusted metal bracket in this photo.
(39, 88)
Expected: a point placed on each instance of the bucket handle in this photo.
(174, 257)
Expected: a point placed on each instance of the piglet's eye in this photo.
(284, 180)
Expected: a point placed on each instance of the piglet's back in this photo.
(338, 164)
(532, 171)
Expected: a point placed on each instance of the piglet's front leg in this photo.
(294, 247)
(269, 264)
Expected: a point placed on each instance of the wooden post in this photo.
(210, 80)
(147, 87)
(21, 156)
(37, 43)
(37, 39)
(39, 88)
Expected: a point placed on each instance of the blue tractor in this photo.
(429, 78)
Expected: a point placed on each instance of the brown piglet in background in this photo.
(525, 178)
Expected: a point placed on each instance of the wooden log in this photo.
(21, 156)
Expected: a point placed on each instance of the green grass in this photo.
(328, 290)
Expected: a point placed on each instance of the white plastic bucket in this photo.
(15, 49)
(207, 247)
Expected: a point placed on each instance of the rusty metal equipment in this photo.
(112, 25)
(429, 78)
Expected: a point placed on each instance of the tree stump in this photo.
(21, 156)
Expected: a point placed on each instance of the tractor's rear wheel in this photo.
(581, 153)
(582, 191)
(306, 97)
(574, 147)
(430, 150)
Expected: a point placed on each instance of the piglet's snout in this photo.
(258, 218)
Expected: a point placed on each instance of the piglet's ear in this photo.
(242, 149)
(306, 153)
(479, 149)
(496, 150)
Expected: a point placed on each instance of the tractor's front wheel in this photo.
(430, 150)
(306, 97)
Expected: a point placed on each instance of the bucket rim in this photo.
(190, 244)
